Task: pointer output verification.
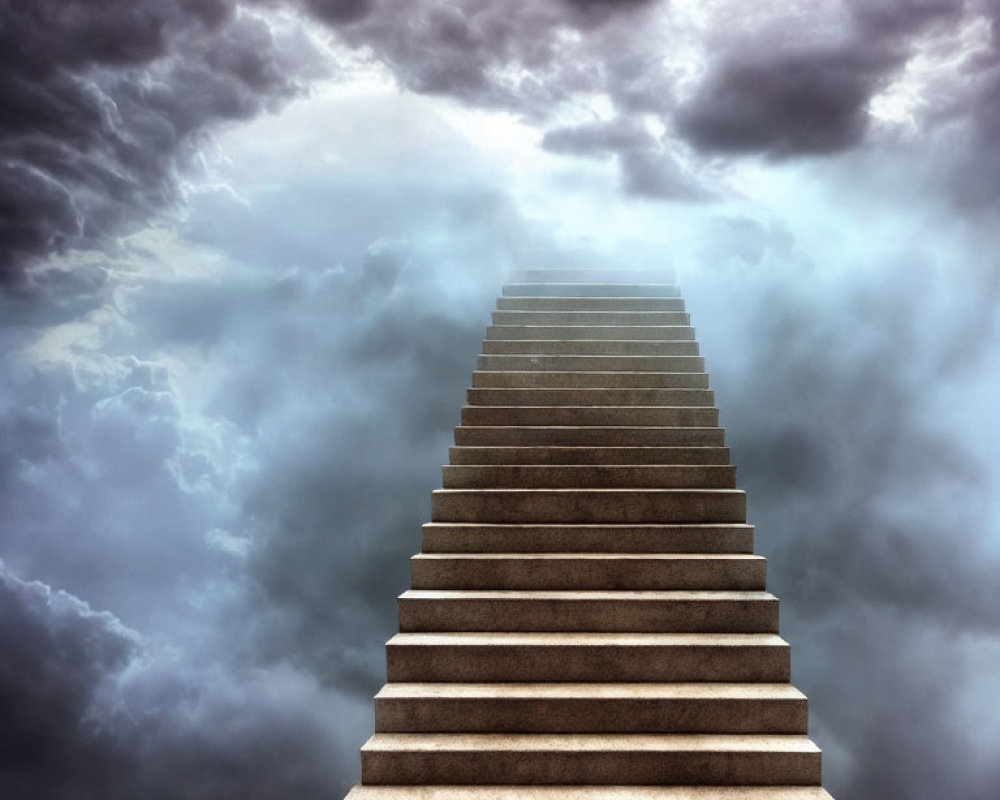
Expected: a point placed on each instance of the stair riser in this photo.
(591, 397)
(448, 538)
(595, 662)
(609, 616)
(661, 573)
(590, 715)
(512, 379)
(595, 318)
(590, 768)
(588, 506)
(593, 363)
(590, 304)
(563, 436)
(569, 476)
(665, 333)
(616, 416)
(589, 290)
(588, 347)
(589, 455)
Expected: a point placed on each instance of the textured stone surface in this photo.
(671, 333)
(617, 657)
(776, 708)
(589, 476)
(589, 758)
(611, 571)
(606, 456)
(587, 620)
(644, 611)
(533, 363)
(589, 435)
(588, 505)
(591, 397)
(456, 537)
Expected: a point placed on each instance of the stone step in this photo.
(589, 289)
(668, 333)
(588, 455)
(514, 379)
(585, 657)
(576, 416)
(583, 275)
(590, 304)
(452, 537)
(714, 708)
(593, 363)
(589, 611)
(597, 435)
(588, 505)
(596, 318)
(609, 792)
(588, 476)
(589, 347)
(591, 397)
(589, 759)
(589, 571)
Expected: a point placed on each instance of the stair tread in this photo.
(604, 691)
(591, 742)
(588, 557)
(574, 639)
(589, 594)
(567, 792)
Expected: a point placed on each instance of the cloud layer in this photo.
(218, 433)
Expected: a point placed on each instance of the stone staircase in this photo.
(587, 619)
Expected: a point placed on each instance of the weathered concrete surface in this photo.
(587, 620)
(773, 708)
(605, 456)
(457, 537)
(588, 505)
(589, 657)
(610, 571)
(608, 611)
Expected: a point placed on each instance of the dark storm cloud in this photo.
(777, 92)
(103, 102)
(88, 716)
(514, 56)
(785, 103)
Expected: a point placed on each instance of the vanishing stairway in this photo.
(587, 619)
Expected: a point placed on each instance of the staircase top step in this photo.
(591, 742)
(693, 691)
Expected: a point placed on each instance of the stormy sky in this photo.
(247, 255)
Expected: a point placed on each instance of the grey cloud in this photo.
(88, 715)
(774, 92)
(102, 104)
(659, 176)
(48, 683)
(598, 138)
(860, 492)
(785, 103)
(646, 169)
